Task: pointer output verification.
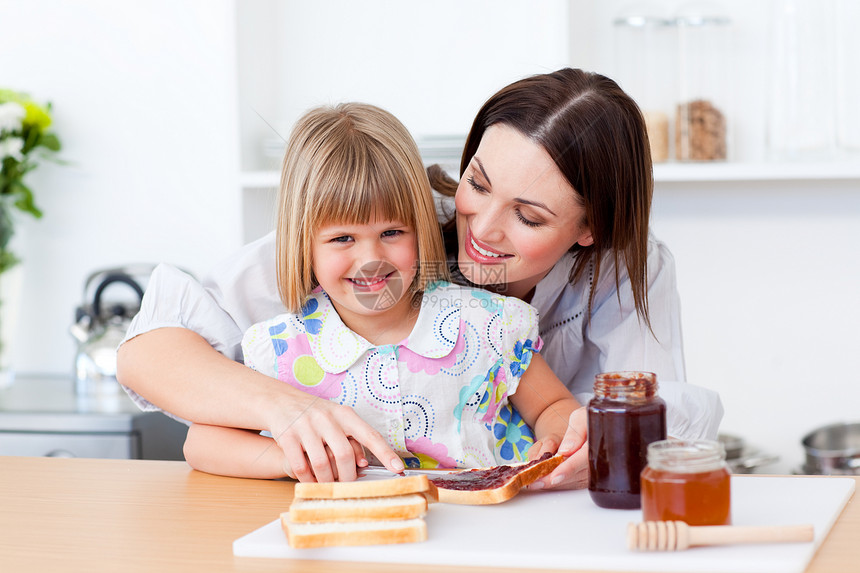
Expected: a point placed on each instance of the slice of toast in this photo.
(407, 506)
(305, 535)
(492, 485)
(360, 489)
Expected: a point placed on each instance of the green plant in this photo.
(24, 140)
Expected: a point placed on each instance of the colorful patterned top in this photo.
(440, 397)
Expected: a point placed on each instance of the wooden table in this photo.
(154, 516)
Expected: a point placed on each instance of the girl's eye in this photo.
(341, 239)
(392, 233)
(479, 188)
(527, 222)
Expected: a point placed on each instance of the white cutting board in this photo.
(565, 530)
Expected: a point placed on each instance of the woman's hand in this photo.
(572, 473)
(322, 441)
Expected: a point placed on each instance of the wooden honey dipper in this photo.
(677, 535)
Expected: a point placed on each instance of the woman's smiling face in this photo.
(516, 213)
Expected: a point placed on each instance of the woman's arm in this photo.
(177, 370)
(558, 422)
(180, 372)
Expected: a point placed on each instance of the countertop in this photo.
(142, 515)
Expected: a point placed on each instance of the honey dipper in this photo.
(677, 535)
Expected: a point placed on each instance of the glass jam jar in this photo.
(625, 415)
(687, 480)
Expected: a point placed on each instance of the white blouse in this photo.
(615, 338)
(242, 291)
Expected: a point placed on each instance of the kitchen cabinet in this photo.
(43, 416)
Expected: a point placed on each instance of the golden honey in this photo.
(686, 481)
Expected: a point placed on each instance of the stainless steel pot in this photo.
(743, 460)
(833, 450)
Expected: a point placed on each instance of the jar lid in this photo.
(702, 21)
(641, 21)
(701, 14)
(630, 385)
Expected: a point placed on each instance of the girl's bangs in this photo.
(370, 190)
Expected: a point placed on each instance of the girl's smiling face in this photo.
(516, 213)
(367, 270)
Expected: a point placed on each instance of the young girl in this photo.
(449, 376)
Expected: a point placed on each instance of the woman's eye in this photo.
(479, 188)
(527, 222)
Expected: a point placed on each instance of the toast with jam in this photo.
(492, 485)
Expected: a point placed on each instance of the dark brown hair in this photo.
(596, 135)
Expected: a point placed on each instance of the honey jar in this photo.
(687, 480)
(625, 415)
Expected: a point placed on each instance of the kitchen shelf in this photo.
(761, 171)
(843, 169)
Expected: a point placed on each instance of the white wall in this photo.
(769, 284)
(144, 103)
(431, 63)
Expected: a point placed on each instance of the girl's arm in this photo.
(234, 452)
(179, 371)
(558, 421)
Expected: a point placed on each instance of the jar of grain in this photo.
(702, 119)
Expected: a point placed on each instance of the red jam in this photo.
(624, 416)
(489, 478)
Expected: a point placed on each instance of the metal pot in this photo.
(833, 450)
(739, 458)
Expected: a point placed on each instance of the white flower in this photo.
(11, 114)
(11, 147)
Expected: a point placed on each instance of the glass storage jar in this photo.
(625, 415)
(848, 75)
(702, 118)
(687, 480)
(644, 58)
(800, 118)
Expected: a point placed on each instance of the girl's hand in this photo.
(323, 442)
(572, 473)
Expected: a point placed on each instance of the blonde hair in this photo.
(350, 164)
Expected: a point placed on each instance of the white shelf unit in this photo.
(260, 187)
(759, 171)
(843, 169)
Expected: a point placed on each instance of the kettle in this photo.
(100, 326)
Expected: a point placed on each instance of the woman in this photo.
(552, 207)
